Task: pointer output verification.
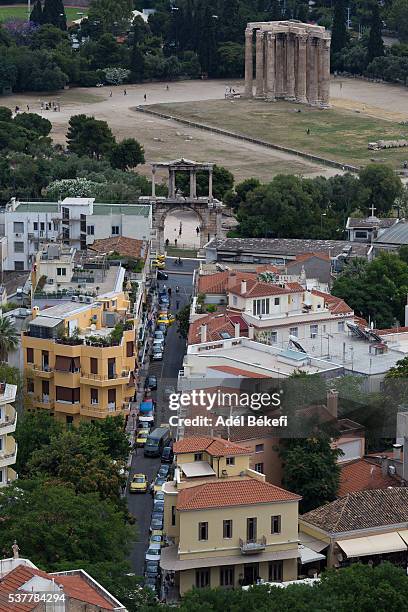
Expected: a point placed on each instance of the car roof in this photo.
(139, 475)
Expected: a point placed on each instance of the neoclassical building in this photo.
(292, 62)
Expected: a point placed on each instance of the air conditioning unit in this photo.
(88, 299)
(81, 298)
(74, 298)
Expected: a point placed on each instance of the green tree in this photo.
(183, 320)
(36, 15)
(114, 15)
(34, 122)
(52, 524)
(113, 436)
(8, 338)
(34, 431)
(231, 59)
(5, 114)
(399, 18)
(127, 154)
(89, 136)
(339, 32)
(310, 469)
(54, 13)
(382, 187)
(375, 47)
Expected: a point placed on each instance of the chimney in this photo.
(243, 286)
(203, 333)
(332, 402)
(397, 451)
(237, 329)
(251, 332)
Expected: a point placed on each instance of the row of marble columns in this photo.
(291, 66)
(193, 183)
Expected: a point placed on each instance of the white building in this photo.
(8, 421)
(77, 222)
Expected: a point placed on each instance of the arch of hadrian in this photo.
(292, 62)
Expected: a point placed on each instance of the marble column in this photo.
(153, 182)
(324, 72)
(193, 184)
(172, 183)
(259, 63)
(210, 185)
(270, 66)
(279, 66)
(249, 67)
(301, 70)
(312, 68)
(290, 67)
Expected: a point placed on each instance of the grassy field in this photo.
(335, 134)
(19, 11)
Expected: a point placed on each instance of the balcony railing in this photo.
(102, 377)
(250, 547)
(10, 452)
(10, 417)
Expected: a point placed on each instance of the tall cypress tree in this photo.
(339, 32)
(54, 13)
(36, 15)
(375, 47)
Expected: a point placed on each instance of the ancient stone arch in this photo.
(208, 209)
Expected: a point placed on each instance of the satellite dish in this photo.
(93, 327)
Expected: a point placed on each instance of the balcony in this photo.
(42, 371)
(121, 378)
(67, 407)
(9, 453)
(8, 425)
(95, 410)
(44, 401)
(250, 547)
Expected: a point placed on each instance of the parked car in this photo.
(158, 506)
(139, 484)
(153, 552)
(162, 327)
(158, 342)
(157, 485)
(156, 539)
(156, 522)
(157, 353)
(151, 584)
(162, 275)
(141, 437)
(159, 265)
(167, 454)
(159, 335)
(161, 257)
(151, 382)
(159, 495)
(152, 568)
(168, 320)
(163, 471)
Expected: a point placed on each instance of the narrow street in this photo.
(140, 506)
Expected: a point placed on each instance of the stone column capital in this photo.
(248, 33)
(260, 33)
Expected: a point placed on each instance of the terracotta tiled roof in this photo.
(255, 288)
(360, 475)
(392, 330)
(245, 492)
(127, 247)
(74, 585)
(238, 371)
(216, 447)
(306, 256)
(216, 325)
(335, 304)
(362, 510)
(220, 281)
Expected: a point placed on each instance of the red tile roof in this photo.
(306, 256)
(126, 247)
(216, 325)
(222, 494)
(392, 330)
(335, 304)
(74, 585)
(216, 447)
(220, 282)
(361, 475)
(255, 288)
(238, 371)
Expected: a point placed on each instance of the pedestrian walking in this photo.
(110, 93)
(175, 242)
(124, 92)
(177, 304)
(169, 291)
(167, 242)
(308, 131)
(167, 87)
(28, 109)
(197, 230)
(145, 97)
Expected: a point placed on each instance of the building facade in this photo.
(8, 422)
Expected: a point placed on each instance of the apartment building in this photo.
(77, 222)
(80, 359)
(227, 526)
(8, 422)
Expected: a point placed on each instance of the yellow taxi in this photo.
(157, 533)
(141, 437)
(167, 319)
(139, 484)
(160, 257)
(155, 538)
(159, 264)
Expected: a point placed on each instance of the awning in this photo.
(311, 542)
(67, 364)
(307, 555)
(373, 545)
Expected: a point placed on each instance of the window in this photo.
(30, 355)
(129, 349)
(19, 247)
(360, 234)
(94, 365)
(275, 573)
(30, 385)
(18, 266)
(67, 395)
(293, 331)
(230, 461)
(340, 326)
(314, 330)
(259, 448)
(42, 226)
(276, 301)
(202, 578)
(49, 226)
(61, 271)
(273, 337)
(35, 225)
(115, 230)
(65, 213)
(111, 399)
(227, 576)
(203, 531)
(90, 230)
(260, 307)
(94, 396)
(251, 529)
(227, 529)
(198, 456)
(55, 226)
(276, 523)
(69, 420)
(259, 467)
(234, 300)
(18, 227)
(173, 515)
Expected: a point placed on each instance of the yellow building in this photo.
(8, 421)
(80, 359)
(227, 526)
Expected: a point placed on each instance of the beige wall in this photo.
(269, 457)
